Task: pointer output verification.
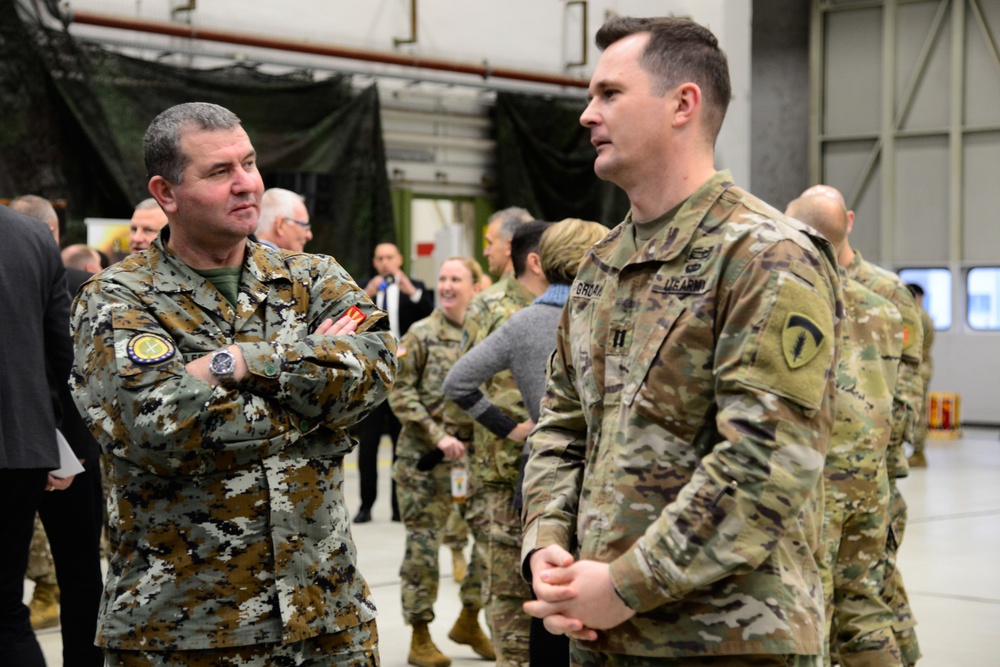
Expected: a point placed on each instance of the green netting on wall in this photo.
(75, 113)
(545, 162)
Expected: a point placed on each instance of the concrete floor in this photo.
(949, 560)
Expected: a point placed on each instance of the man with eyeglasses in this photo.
(284, 220)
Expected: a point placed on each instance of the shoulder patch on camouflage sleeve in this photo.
(147, 348)
(401, 351)
(800, 340)
(794, 351)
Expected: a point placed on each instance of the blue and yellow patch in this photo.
(147, 348)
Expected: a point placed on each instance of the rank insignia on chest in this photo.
(147, 348)
(800, 340)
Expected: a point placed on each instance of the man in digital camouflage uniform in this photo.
(220, 376)
(673, 496)
(910, 393)
(493, 462)
(870, 421)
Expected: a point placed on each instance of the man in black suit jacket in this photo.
(406, 300)
(34, 335)
(74, 518)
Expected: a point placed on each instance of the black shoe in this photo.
(395, 517)
(363, 516)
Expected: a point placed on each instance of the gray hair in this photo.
(162, 143)
(275, 203)
(34, 206)
(147, 204)
(510, 219)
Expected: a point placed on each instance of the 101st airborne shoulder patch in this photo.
(801, 340)
(147, 348)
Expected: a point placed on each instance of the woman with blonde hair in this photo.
(523, 345)
(425, 452)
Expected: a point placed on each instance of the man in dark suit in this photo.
(73, 521)
(406, 300)
(34, 333)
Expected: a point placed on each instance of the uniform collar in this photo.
(670, 241)
(170, 274)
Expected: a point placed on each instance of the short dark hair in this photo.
(915, 289)
(679, 50)
(524, 242)
(162, 143)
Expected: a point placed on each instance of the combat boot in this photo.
(467, 631)
(917, 460)
(423, 652)
(44, 606)
(459, 568)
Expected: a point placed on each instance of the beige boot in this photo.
(917, 460)
(459, 568)
(44, 606)
(467, 631)
(423, 652)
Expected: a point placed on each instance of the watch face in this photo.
(222, 363)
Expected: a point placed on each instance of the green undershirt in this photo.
(226, 280)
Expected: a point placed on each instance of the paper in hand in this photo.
(69, 465)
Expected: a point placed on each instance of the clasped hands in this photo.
(575, 598)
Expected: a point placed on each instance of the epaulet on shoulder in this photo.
(124, 266)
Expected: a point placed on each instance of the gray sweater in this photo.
(522, 344)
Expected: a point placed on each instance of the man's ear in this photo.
(535, 263)
(688, 100)
(163, 192)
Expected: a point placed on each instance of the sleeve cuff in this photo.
(415, 297)
(634, 582)
(264, 366)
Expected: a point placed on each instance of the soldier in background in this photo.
(869, 422)
(910, 392)
(221, 377)
(918, 459)
(424, 491)
(494, 461)
(673, 504)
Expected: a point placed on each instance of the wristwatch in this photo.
(222, 366)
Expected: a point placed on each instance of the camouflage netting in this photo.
(545, 162)
(74, 116)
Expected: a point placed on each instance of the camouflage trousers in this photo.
(506, 590)
(894, 592)
(456, 531)
(859, 623)
(425, 505)
(354, 647)
(580, 657)
(41, 567)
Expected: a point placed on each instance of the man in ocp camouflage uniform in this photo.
(870, 418)
(918, 459)
(494, 462)
(431, 422)
(909, 404)
(673, 497)
(220, 376)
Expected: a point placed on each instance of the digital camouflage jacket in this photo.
(229, 523)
